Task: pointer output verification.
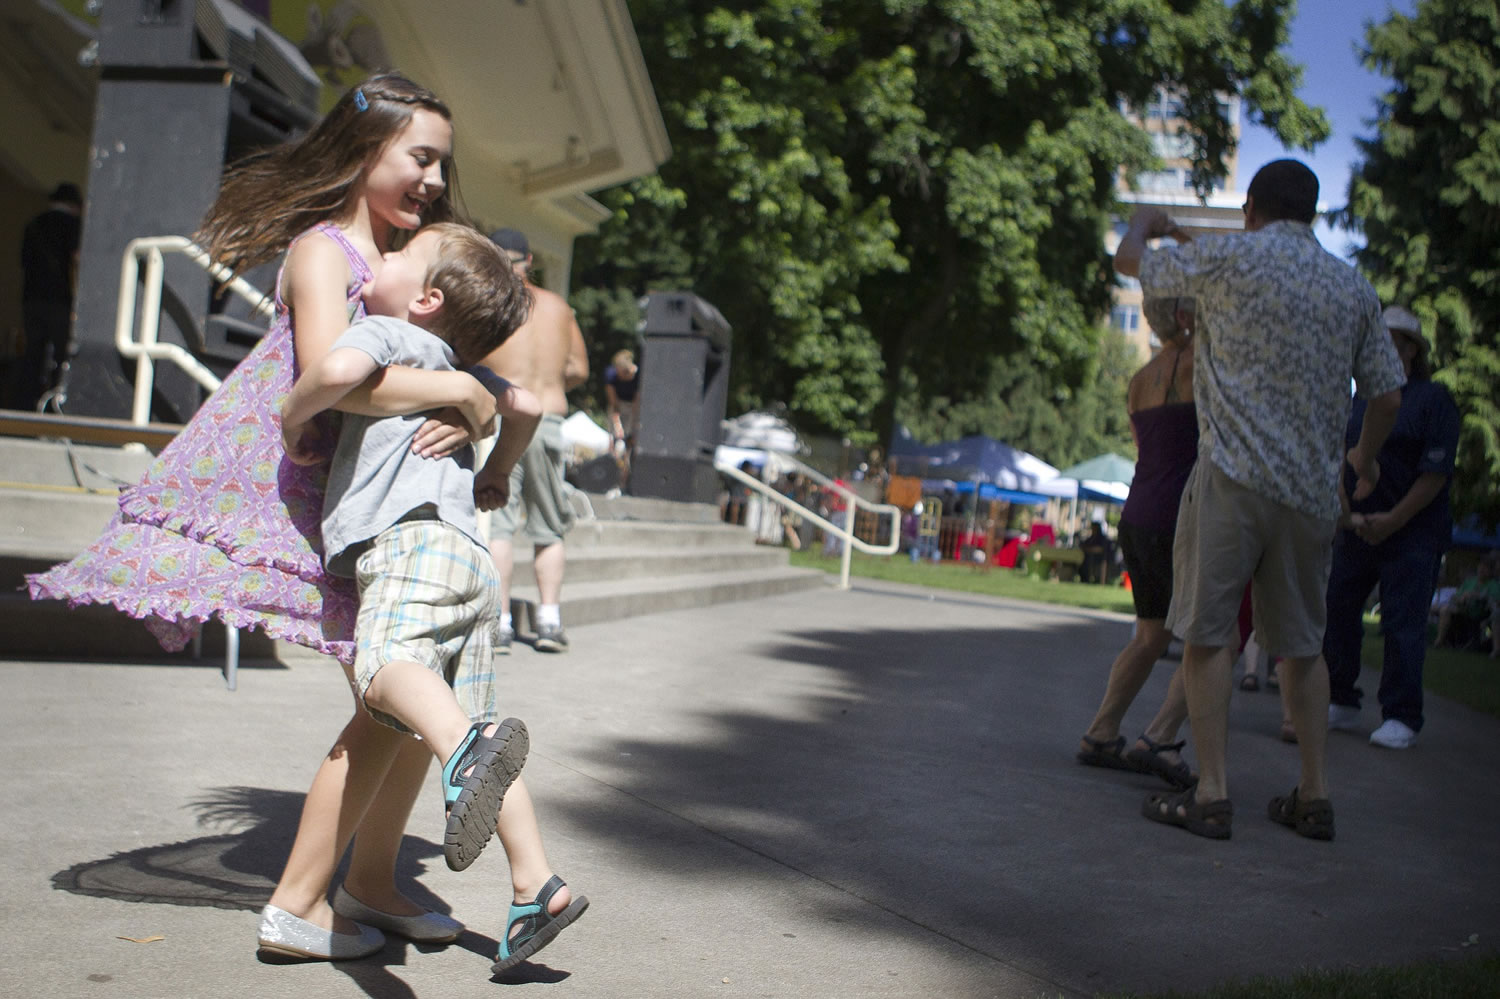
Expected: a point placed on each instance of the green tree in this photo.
(1427, 198)
(900, 204)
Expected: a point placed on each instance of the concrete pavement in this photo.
(823, 794)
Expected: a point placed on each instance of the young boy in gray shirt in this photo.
(406, 528)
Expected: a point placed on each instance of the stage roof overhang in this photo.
(551, 99)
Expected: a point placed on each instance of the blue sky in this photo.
(1323, 39)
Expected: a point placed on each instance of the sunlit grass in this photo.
(975, 579)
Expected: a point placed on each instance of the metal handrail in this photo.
(147, 350)
(852, 498)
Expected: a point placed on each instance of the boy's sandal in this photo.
(475, 780)
(537, 926)
(1107, 754)
(1313, 819)
(1210, 819)
(1250, 682)
(1149, 761)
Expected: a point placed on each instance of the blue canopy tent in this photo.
(979, 461)
(987, 491)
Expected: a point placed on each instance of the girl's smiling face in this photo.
(407, 175)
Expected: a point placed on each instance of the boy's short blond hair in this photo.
(484, 302)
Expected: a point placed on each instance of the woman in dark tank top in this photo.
(1164, 421)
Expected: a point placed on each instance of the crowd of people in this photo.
(1286, 492)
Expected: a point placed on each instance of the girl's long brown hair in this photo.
(272, 196)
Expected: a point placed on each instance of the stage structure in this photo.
(185, 86)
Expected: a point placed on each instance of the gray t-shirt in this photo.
(375, 480)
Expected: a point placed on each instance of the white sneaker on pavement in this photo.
(1342, 718)
(1393, 734)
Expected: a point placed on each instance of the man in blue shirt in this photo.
(1394, 537)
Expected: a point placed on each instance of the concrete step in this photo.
(50, 628)
(52, 463)
(645, 508)
(54, 522)
(591, 565)
(606, 533)
(589, 603)
(635, 556)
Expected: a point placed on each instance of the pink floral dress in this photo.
(223, 523)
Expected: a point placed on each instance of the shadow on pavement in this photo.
(928, 771)
(239, 870)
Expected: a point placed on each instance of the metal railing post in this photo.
(848, 555)
(146, 350)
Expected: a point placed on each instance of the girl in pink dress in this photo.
(224, 524)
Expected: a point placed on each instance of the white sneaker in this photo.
(1342, 718)
(1393, 734)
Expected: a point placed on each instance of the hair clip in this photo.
(360, 102)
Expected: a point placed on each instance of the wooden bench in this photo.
(1042, 559)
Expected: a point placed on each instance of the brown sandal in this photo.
(1149, 761)
(1110, 755)
(1313, 819)
(1210, 818)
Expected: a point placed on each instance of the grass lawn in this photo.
(1471, 678)
(1467, 677)
(974, 579)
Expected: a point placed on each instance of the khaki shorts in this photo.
(1228, 534)
(427, 595)
(537, 487)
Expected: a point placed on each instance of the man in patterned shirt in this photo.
(1282, 327)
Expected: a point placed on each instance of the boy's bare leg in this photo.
(424, 703)
(521, 837)
(1206, 675)
(1304, 684)
(1127, 675)
(347, 781)
(377, 842)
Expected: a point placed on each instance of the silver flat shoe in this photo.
(429, 927)
(285, 934)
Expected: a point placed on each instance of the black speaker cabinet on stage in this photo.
(184, 87)
(684, 390)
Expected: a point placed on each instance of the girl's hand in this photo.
(457, 426)
(443, 434)
(491, 489)
(301, 441)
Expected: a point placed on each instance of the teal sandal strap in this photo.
(531, 915)
(463, 757)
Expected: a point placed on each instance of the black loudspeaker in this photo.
(684, 390)
(598, 475)
(184, 86)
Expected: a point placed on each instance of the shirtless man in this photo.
(545, 355)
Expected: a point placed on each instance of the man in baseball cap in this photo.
(1399, 320)
(1394, 538)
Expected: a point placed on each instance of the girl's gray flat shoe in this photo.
(286, 935)
(429, 927)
